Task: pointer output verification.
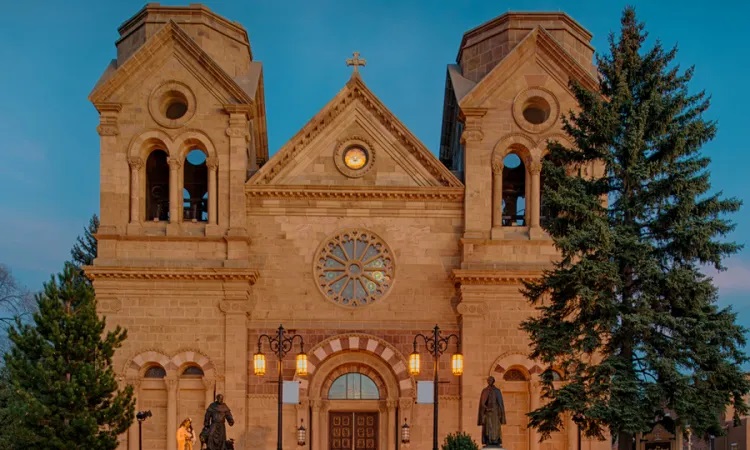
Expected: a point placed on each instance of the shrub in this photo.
(459, 441)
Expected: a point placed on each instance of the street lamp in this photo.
(437, 345)
(141, 416)
(280, 345)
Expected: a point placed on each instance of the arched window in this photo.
(514, 191)
(192, 371)
(155, 372)
(514, 375)
(353, 386)
(157, 186)
(195, 187)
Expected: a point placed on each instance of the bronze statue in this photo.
(491, 414)
(214, 434)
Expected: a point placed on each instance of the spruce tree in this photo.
(62, 383)
(626, 311)
(84, 250)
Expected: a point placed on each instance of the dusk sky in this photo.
(53, 53)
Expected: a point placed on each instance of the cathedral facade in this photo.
(353, 236)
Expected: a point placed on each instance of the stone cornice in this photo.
(357, 193)
(162, 273)
(484, 277)
(355, 90)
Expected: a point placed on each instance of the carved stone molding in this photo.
(161, 273)
(212, 163)
(405, 404)
(234, 306)
(108, 305)
(262, 401)
(470, 276)
(535, 167)
(472, 135)
(174, 163)
(497, 167)
(439, 194)
(472, 308)
(171, 383)
(135, 162)
(108, 129)
(237, 132)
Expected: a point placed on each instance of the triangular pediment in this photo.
(312, 159)
(541, 47)
(172, 40)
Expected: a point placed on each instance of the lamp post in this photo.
(141, 416)
(437, 345)
(578, 418)
(280, 345)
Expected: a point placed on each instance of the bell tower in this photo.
(182, 126)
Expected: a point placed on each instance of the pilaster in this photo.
(234, 175)
(113, 211)
(235, 307)
(478, 198)
(473, 311)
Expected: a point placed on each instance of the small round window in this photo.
(172, 104)
(536, 110)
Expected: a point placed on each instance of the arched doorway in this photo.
(354, 397)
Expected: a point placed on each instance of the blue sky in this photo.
(53, 53)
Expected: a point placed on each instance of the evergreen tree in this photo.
(626, 311)
(84, 250)
(63, 387)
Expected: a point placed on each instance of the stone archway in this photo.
(368, 356)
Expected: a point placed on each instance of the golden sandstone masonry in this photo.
(352, 235)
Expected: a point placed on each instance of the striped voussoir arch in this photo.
(361, 342)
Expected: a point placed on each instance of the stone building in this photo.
(352, 235)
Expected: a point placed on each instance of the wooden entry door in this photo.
(353, 431)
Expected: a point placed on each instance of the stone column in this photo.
(477, 179)
(209, 384)
(232, 187)
(212, 164)
(235, 306)
(391, 406)
(171, 383)
(317, 417)
(133, 430)
(535, 203)
(175, 193)
(497, 194)
(473, 311)
(534, 400)
(113, 197)
(136, 164)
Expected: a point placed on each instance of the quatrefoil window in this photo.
(354, 268)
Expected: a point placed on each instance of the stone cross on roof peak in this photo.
(356, 61)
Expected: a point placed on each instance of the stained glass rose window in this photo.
(354, 268)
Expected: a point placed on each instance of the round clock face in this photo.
(355, 158)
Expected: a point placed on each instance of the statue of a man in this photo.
(214, 433)
(491, 414)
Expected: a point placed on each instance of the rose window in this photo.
(354, 268)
